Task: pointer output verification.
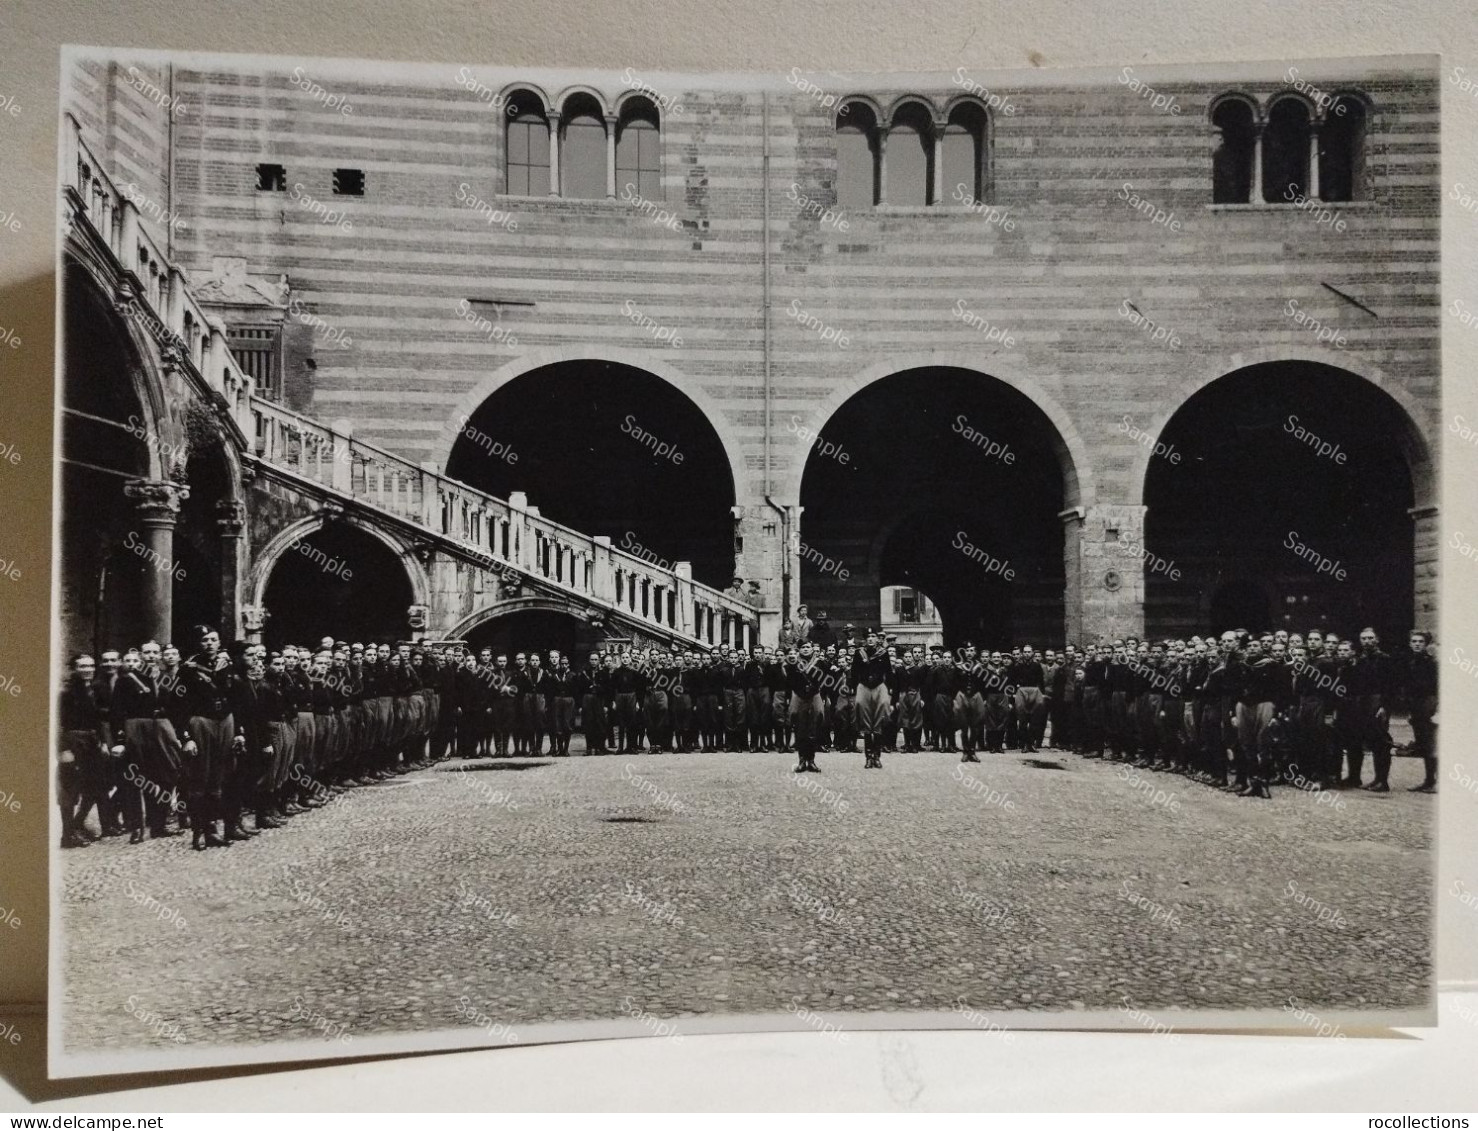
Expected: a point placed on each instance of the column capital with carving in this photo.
(230, 517)
(158, 502)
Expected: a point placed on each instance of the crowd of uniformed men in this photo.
(152, 740)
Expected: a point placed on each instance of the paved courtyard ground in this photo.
(712, 884)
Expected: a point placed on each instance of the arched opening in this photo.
(339, 581)
(1232, 156)
(105, 442)
(199, 597)
(909, 615)
(909, 156)
(857, 156)
(962, 155)
(611, 450)
(952, 484)
(639, 151)
(1342, 150)
(1239, 603)
(1285, 152)
(526, 165)
(1295, 471)
(582, 149)
(536, 630)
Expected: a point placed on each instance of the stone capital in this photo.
(416, 617)
(253, 617)
(158, 503)
(230, 517)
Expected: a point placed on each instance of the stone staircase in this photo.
(504, 536)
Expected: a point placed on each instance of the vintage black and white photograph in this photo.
(545, 554)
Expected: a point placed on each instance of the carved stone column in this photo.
(610, 157)
(231, 522)
(158, 505)
(416, 619)
(253, 617)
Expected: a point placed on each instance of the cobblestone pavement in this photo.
(698, 883)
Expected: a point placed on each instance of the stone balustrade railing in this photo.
(502, 534)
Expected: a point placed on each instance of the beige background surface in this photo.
(759, 35)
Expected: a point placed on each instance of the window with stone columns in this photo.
(1234, 121)
(914, 158)
(962, 155)
(582, 149)
(638, 151)
(526, 149)
(908, 156)
(1285, 151)
(1295, 150)
(858, 149)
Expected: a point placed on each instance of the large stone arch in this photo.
(1079, 483)
(1395, 446)
(1413, 439)
(143, 365)
(648, 361)
(529, 603)
(269, 555)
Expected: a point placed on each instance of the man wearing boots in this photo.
(204, 720)
(1419, 687)
(872, 671)
(805, 679)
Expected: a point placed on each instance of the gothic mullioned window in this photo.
(913, 157)
(1298, 149)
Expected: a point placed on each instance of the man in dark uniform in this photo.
(80, 739)
(444, 738)
(107, 771)
(1372, 681)
(941, 688)
(1095, 701)
(260, 711)
(777, 681)
(1031, 705)
(731, 681)
(1310, 737)
(757, 699)
(630, 687)
(203, 718)
(585, 686)
(1256, 705)
(470, 700)
(681, 699)
(971, 704)
(1419, 688)
(132, 723)
(657, 704)
(871, 672)
(912, 678)
(561, 692)
(1059, 672)
(805, 678)
(844, 704)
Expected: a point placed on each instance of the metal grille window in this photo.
(271, 178)
(256, 350)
